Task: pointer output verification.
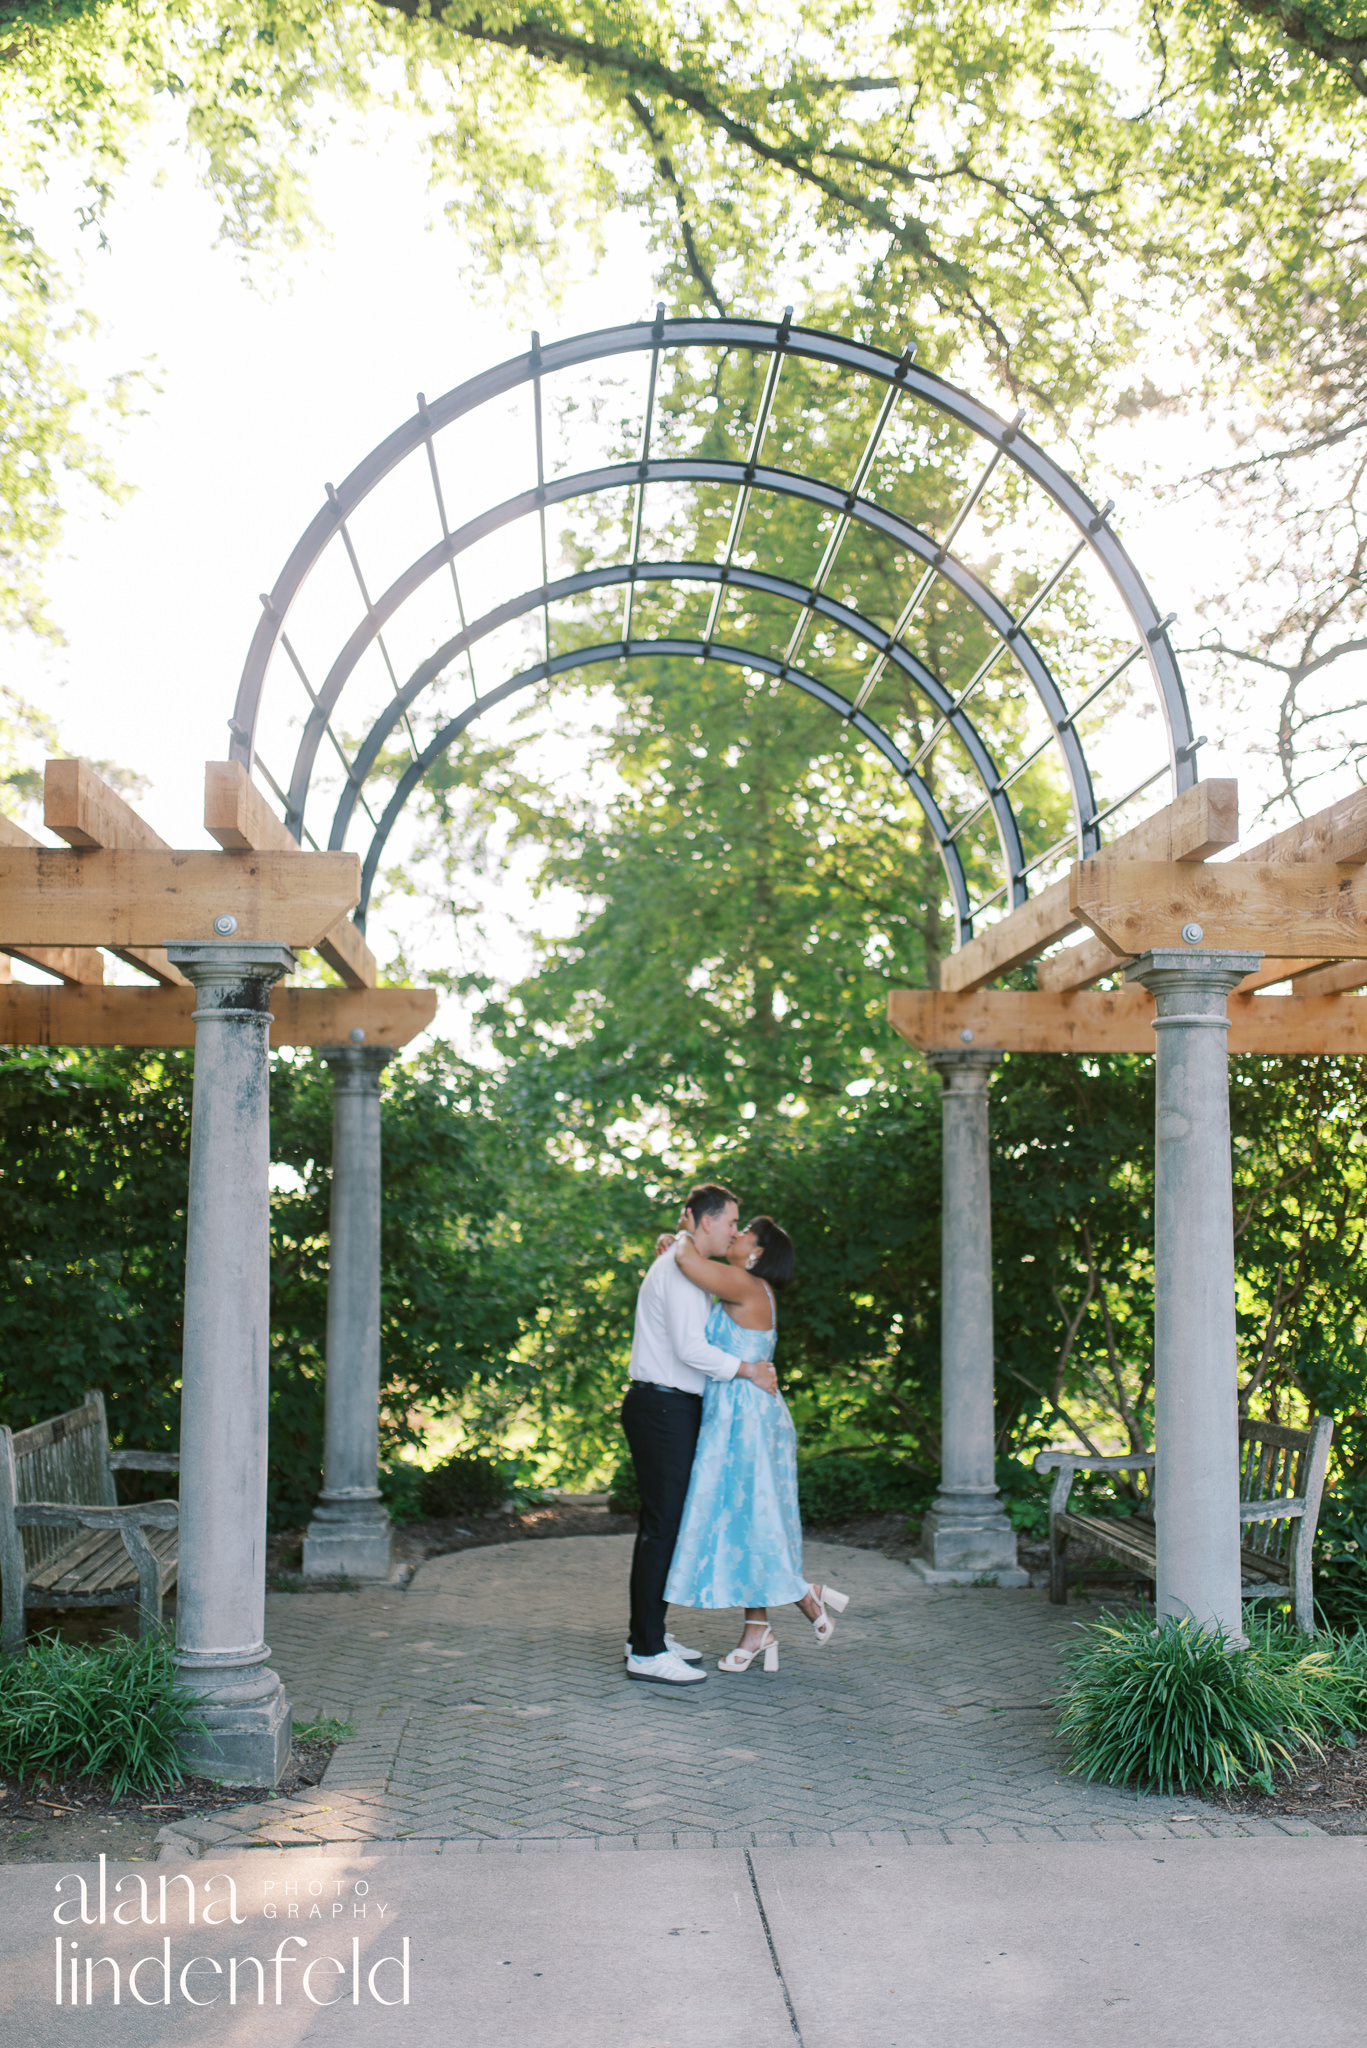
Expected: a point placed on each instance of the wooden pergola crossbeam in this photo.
(1117, 1020)
(239, 818)
(1201, 821)
(164, 1017)
(74, 964)
(58, 897)
(80, 807)
(1334, 838)
(1294, 910)
(1338, 979)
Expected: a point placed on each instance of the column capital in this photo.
(1192, 982)
(228, 977)
(357, 1067)
(964, 1073)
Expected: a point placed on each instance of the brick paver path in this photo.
(490, 1705)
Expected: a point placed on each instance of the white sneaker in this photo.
(666, 1669)
(679, 1649)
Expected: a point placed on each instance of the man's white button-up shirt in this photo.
(668, 1347)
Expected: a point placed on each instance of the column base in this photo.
(244, 1743)
(965, 1543)
(353, 1547)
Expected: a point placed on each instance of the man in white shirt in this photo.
(671, 1363)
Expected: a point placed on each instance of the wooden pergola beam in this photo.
(74, 964)
(239, 818)
(1332, 981)
(1116, 1020)
(80, 807)
(1294, 910)
(1338, 833)
(1199, 822)
(55, 897)
(164, 1016)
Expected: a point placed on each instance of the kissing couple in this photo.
(713, 1444)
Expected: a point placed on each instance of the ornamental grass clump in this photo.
(112, 1712)
(1169, 1707)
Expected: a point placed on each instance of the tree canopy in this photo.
(1105, 211)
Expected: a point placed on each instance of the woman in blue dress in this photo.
(740, 1541)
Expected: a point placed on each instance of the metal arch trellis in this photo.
(847, 505)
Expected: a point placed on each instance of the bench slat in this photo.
(65, 1461)
(1134, 1541)
(97, 1563)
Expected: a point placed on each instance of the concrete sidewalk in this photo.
(1152, 1944)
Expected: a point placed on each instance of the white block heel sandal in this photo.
(741, 1660)
(823, 1627)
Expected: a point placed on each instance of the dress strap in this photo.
(773, 1305)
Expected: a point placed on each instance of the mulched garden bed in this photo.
(583, 1514)
(1331, 1791)
(71, 1821)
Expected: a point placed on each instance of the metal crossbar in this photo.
(639, 513)
(932, 569)
(1100, 817)
(440, 495)
(304, 832)
(541, 494)
(844, 520)
(1005, 783)
(976, 681)
(742, 504)
(347, 769)
(1102, 687)
(345, 532)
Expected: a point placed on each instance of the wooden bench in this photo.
(56, 1478)
(1281, 1482)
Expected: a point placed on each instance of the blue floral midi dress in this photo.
(740, 1540)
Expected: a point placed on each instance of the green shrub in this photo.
(836, 1486)
(400, 1484)
(465, 1484)
(112, 1712)
(1328, 1672)
(1169, 1707)
(624, 1495)
(1341, 1563)
(1025, 1497)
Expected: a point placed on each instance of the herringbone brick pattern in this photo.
(490, 1704)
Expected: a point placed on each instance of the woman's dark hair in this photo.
(775, 1262)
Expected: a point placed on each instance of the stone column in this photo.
(221, 1592)
(350, 1530)
(966, 1535)
(1196, 1397)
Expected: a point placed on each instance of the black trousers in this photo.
(661, 1427)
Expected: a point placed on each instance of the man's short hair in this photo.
(709, 1198)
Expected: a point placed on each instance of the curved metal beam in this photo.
(782, 483)
(736, 657)
(619, 573)
(761, 337)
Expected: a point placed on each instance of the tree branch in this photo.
(664, 164)
(1345, 54)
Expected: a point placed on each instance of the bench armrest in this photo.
(57, 1514)
(1065, 1465)
(144, 1461)
(1283, 1508)
(1049, 1461)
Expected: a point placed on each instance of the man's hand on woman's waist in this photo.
(761, 1372)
